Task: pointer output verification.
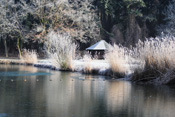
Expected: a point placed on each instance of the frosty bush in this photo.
(61, 49)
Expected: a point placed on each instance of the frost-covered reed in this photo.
(150, 60)
(87, 63)
(61, 50)
(29, 56)
(118, 59)
(157, 56)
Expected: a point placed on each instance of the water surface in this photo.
(31, 92)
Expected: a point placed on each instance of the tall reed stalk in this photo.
(117, 58)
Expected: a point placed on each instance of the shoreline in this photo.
(45, 63)
(101, 67)
(101, 70)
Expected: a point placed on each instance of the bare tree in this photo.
(77, 18)
(11, 18)
(6, 25)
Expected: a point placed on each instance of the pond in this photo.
(26, 91)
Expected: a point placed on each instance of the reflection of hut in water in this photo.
(98, 49)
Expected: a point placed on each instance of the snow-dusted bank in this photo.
(98, 67)
(92, 66)
(151, 61)
(84, 66)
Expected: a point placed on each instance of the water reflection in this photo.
(65, 94)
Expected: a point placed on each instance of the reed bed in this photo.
(29, 57)
(118, 60)
(93, 65)
(87, 63)
(153, 60)
(157, 56)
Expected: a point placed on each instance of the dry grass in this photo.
(92, 65)
(61, 50)
(157, 56)
(29, 57)
(118, 60)
(87, 63)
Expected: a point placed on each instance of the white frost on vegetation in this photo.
(61, 50)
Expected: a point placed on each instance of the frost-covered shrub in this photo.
(61, 50)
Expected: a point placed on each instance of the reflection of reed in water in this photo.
(64, 97)
(83, 98)
(9, 67)
(91, 77)
(126, 99)
(117, 95)
(68, 97)
(59, 93)
(152, 101)
(30, 69)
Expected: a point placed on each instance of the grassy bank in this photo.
(158, 63)
(100, 67)
(151, 61)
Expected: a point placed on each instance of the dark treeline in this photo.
(119, 21)
(127, 21)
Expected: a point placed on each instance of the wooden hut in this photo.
(98, 49)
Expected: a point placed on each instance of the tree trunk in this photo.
(18, 46)
(6, 48)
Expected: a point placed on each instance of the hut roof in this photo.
(101, 45)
